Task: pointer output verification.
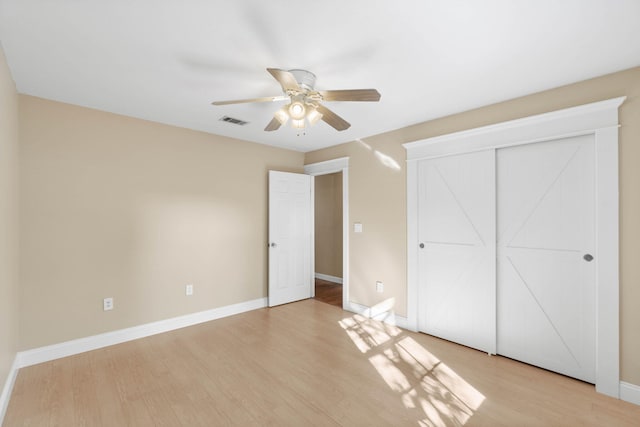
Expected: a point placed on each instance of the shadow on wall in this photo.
(428, 388)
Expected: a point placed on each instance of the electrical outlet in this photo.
(107, 304)
(188, 290)
(379, 287)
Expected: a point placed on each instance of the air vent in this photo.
(232, 120)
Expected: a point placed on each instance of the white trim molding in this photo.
(69, 348)
(582, 120)
(599, 119)
(324, 168)
(8, 388)
(630, 392)
(327, 167)
(382, 314)
(329, 278)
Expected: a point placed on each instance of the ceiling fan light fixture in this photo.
(297, 110)
(281, 116)
(297, 123)
(313, 116)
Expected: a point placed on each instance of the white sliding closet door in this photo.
(456, 283)
(546, 282)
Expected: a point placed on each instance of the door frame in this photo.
(599, 119)
(324, 168)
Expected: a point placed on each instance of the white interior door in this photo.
(456, 227)
(290, 237)
(546, 287)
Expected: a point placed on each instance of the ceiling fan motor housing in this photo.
(306, 79)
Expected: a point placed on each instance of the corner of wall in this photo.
(9, 297)
(5, 394)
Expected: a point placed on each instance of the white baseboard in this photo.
(328, 278)
(8, 388)
(401, 322)
(387, 316)
(630, 392)
(69, 348)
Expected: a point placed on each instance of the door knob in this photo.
(588, 257)
(421, 245)
(273, 245)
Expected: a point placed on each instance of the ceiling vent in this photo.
(232, 120)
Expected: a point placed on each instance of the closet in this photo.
(509, 240)
(503, 238)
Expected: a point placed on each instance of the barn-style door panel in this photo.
(457, 249)
(546, 287)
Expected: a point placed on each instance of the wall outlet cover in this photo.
(107, 304)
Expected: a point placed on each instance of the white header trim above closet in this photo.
(581, 120)
(599, 119)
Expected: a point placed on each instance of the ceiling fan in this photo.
(298, 88)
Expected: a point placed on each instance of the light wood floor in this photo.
(306, 363)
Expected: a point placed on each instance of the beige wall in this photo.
(124, 208)
(8, 220)
(377, 195)
(377, 199)
(328, 224)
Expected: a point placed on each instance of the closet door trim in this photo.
(599, 119)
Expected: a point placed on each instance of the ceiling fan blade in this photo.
(274, 124)
(332, 119)
(285, 78)
(369, 95)
(244, 101)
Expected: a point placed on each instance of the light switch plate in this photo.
(357, 227)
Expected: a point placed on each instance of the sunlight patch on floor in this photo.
(367, 335)
(421, 380)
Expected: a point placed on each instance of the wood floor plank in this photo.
(83, 390)
(112, 410)
(306, 363)
(328, 292)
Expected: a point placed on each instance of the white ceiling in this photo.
(166, 60)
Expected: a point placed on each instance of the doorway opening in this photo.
(339, 169)
(328, 238)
